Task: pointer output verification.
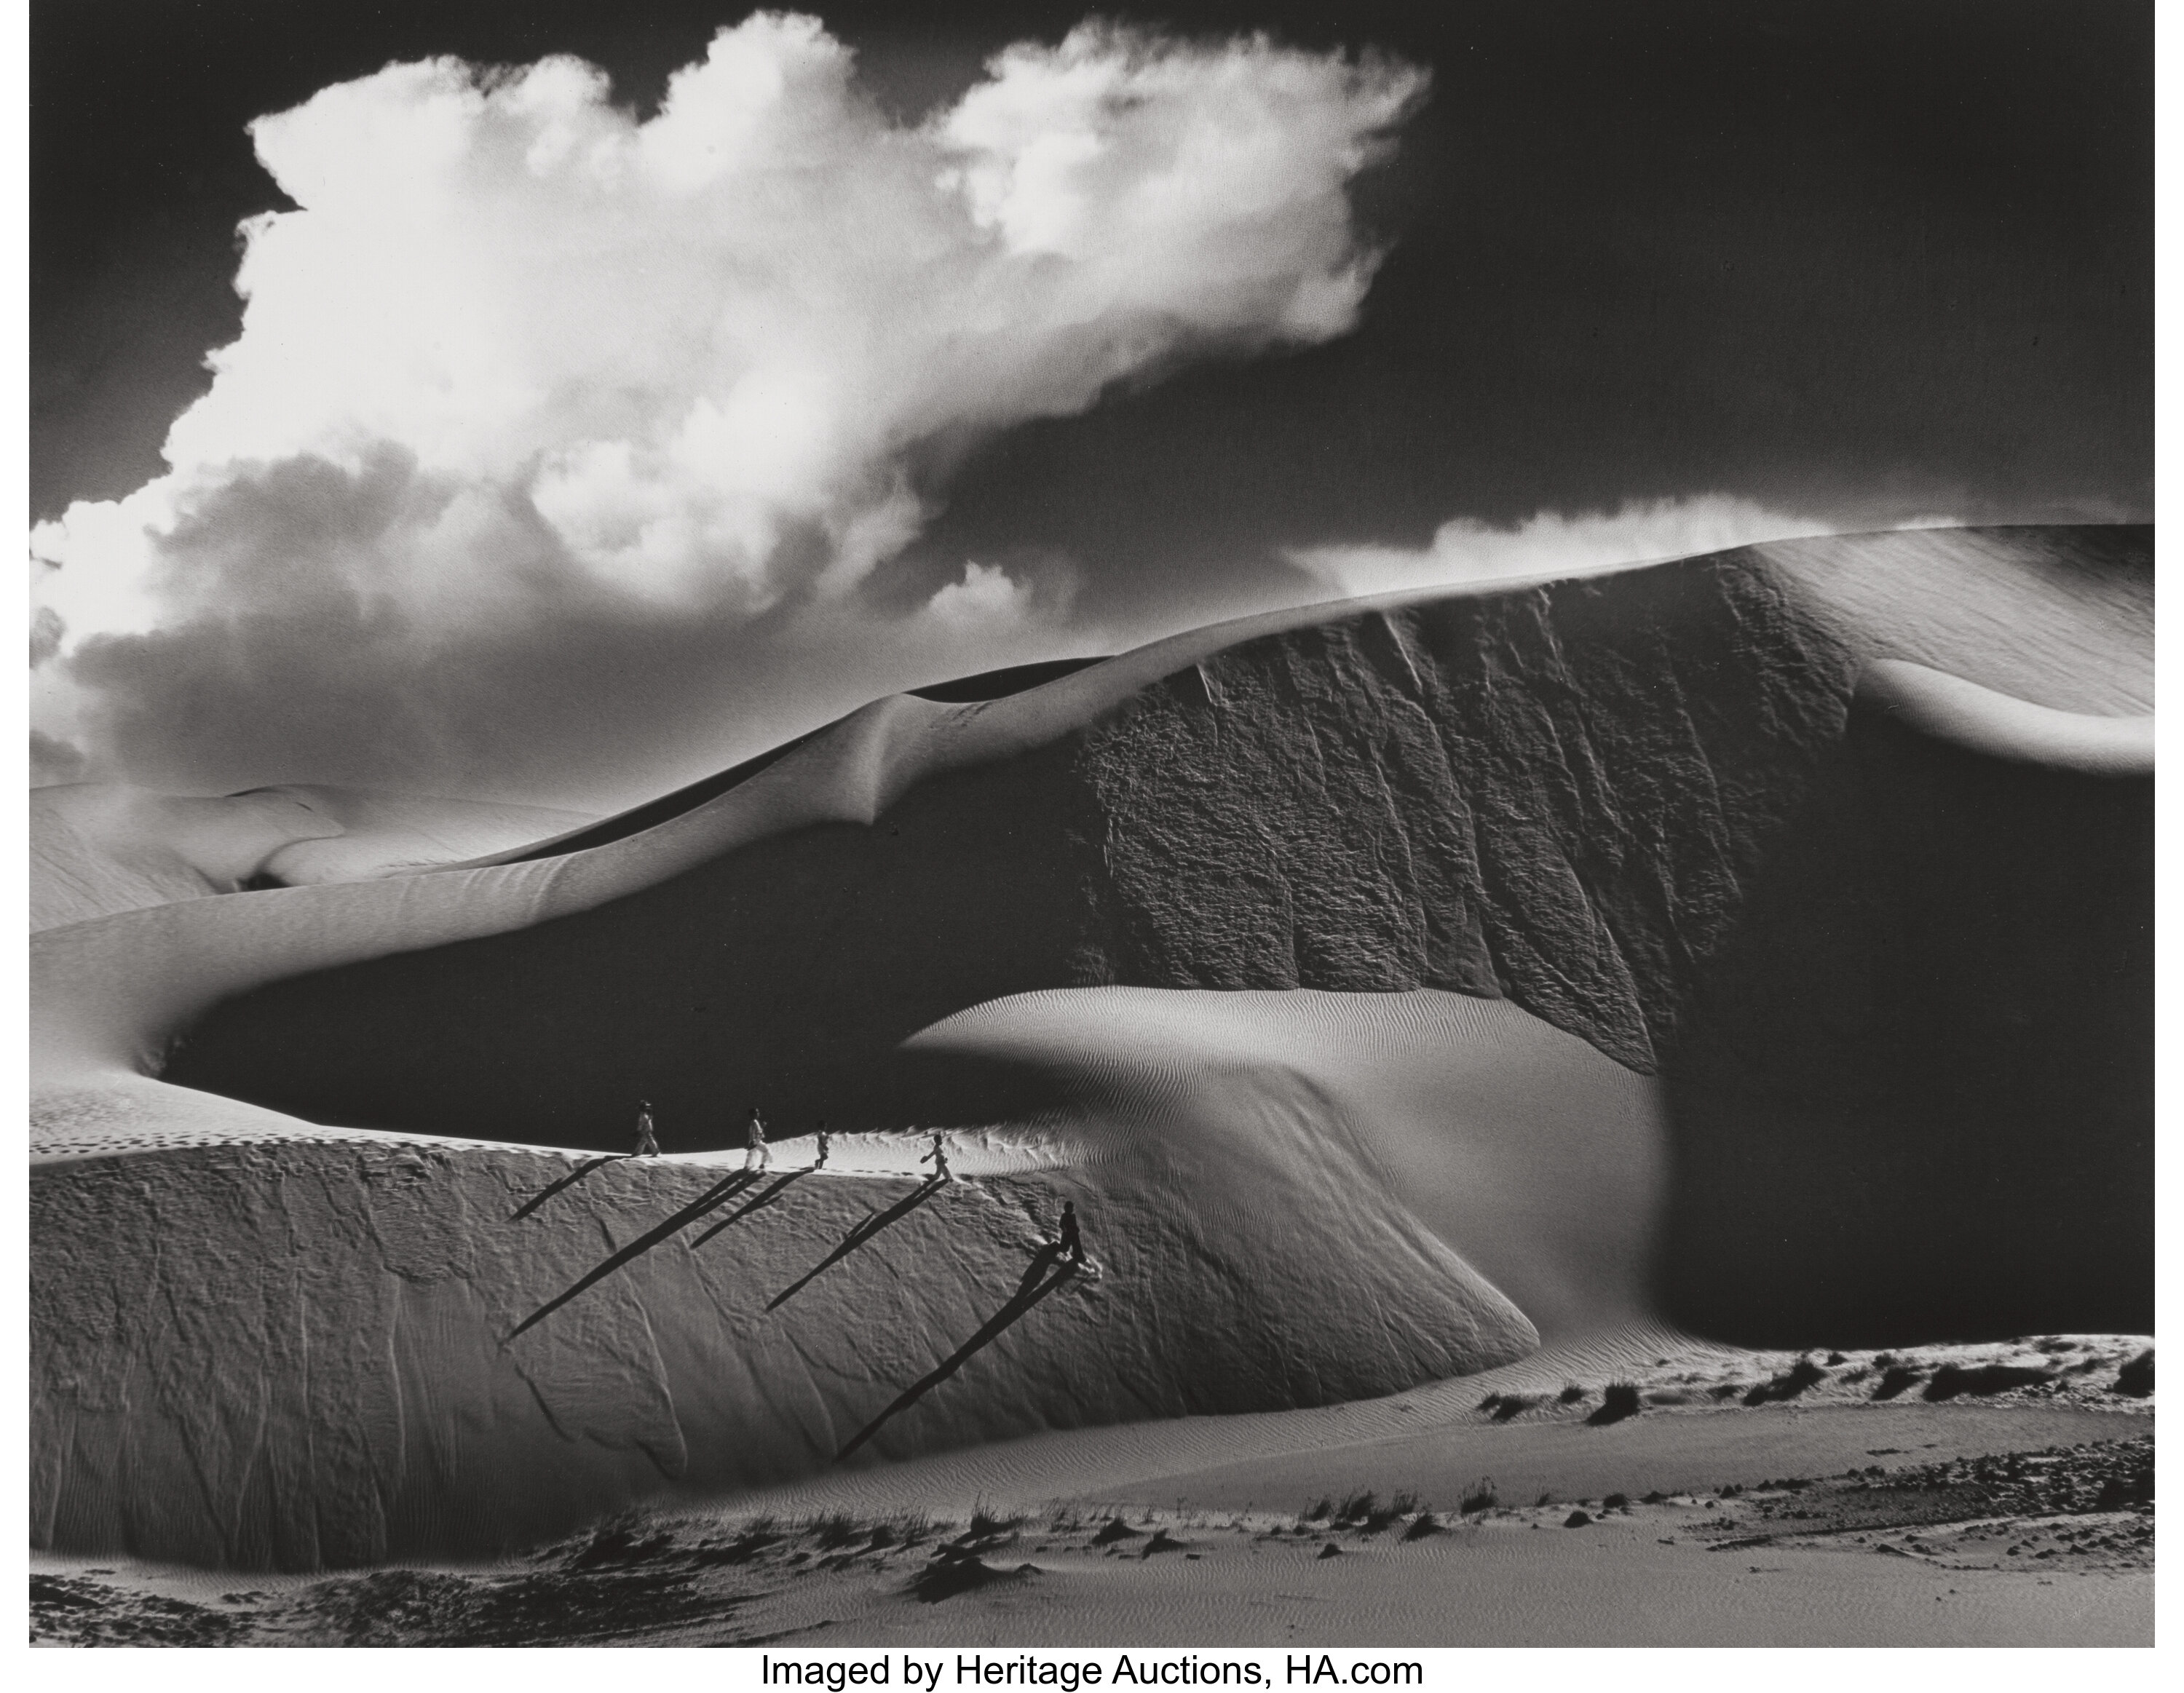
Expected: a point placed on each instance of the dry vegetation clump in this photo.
(1617, 1400)
(1952, 1379)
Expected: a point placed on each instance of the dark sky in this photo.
(1869, 260)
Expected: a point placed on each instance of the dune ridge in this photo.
(1580, 959)
(97, 848)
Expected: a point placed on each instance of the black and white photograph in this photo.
(1074, 843)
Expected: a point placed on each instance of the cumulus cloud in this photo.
(1564, 543)
(529, 392)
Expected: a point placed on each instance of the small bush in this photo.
(1576, 1519)
(1482, 1497)
(1616, 1502)
(1424, 1523)
(1512, 1405)
(1951, 1379)
(1318, 1513)
(984, 1523)
(1356, 1508)
(1570, 1395)
(1895, 1379)
(2135, 1378)
(1789, 1384)
(1116, 1529)
(1617, 1400)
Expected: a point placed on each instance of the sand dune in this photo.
(317, 1357)
(1670, 942)
(1981, 720)
(101, 847)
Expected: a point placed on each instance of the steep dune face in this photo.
(1888, 958)
(1915, 1092)
(1547, 1159)
(1551, 794)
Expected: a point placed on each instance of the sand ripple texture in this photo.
(296, 1356)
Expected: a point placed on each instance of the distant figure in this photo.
(647, 1146)
(820, 1162)
(1073, 1243)
(757, 1155)
(938, 1158)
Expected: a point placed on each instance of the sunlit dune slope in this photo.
(101, 847)
(298, 1356)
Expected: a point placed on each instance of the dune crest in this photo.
(1649, 961)
(1983, 719)
(97, 848)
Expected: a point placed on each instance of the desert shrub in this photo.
(984, 1523)
(1617, 1400)
(1895, 1379)
(1481, 1497)
(1951, 1379)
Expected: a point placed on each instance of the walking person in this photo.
(757, 1155)
(820, 1162)
(938, 1158)
(647, 1145)
(1073, 1243)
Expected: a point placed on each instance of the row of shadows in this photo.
(1046, 1274)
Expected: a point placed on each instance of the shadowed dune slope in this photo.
(1640, 806)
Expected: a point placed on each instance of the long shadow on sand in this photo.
(712, 1199)
(761, 1203)
(857, 1237)
(1035, 1286)
(569, 1180)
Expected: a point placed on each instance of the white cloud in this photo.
(1563, 544)
(987, 597)
(520, 358)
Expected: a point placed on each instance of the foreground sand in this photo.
(2013, 1521)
